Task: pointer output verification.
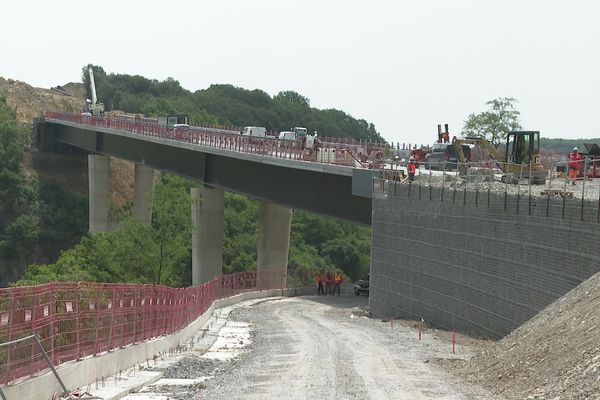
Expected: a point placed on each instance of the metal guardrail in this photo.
(338, 151)
(75, 320)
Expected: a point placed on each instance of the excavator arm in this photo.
(481, 143)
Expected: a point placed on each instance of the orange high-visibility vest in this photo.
(338, 278)
(319, 277)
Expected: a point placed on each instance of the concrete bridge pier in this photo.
(143, 188)
(208, 205)
(274, 227)
(99, 193)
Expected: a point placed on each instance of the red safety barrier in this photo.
(75, 320)
(339, 151)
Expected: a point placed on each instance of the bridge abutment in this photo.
(274, 226)
(143, 188)
(99, 194)
(208, 207)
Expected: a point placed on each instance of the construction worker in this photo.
(328, 283)
(338, 281)
(412, 169)
(446, 137)
(320, 283)
(574, 161)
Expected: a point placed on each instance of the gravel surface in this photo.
(484, 181)
(324, 347)
(555, 355)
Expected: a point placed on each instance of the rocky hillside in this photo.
(68, 172)
(555, 355)
(29, 102)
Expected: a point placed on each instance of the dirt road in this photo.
(311, 348)
(315, 347)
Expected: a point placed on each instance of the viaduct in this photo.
(470, 260)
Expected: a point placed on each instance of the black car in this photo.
(444, 152)
(362, 286)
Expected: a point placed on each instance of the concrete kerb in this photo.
(81, 373)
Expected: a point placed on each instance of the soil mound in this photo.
(555, 355)
(29, 102)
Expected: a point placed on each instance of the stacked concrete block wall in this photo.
(476, 261)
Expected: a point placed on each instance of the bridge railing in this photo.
(75, 320)
(338, 151)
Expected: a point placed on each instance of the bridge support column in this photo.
(143, 188)
(208, 206)
(99, 192)
(274, 226)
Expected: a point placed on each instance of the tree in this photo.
(293, 97)
(171, 223)
(12, 144)
(495, 123)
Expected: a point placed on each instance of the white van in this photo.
(256, 131)
(287, 135)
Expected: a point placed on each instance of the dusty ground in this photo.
(323, 347)
(29, 102)
(590, 190)
(555, 355)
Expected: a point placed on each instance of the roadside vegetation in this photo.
(225, 105)
(45, 227)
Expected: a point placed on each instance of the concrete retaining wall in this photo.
(466, 262)
(76, 374)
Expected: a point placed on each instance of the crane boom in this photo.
(93, 106)
(92, 86)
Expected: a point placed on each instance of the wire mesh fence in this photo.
(483, 184)
(75, 320)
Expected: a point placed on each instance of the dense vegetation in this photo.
(37, 218)
(564, 146)
(226, 105)
(161, 252)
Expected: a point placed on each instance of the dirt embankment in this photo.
(555, 355)
(69, 172)
(29, 102)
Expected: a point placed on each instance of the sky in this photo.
(405, 66)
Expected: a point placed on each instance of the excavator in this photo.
(521, 158)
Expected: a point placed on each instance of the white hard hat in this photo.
(575, 148)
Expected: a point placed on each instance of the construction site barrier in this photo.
(75, 320)
(329, 150)
(483, 184)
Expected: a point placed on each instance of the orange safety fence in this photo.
(75, 320)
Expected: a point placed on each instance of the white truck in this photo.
(299, 132)
(255, 131)
(296, 133)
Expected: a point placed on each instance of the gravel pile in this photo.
(555, 355)
(484, 182)
(192, 367)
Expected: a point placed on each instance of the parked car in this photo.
(444, 152)
(362, 286)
